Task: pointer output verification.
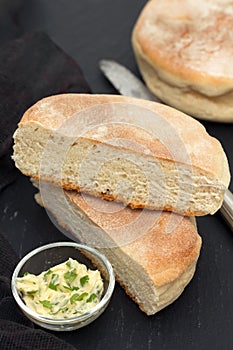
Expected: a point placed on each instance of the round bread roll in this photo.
(184, 49)
(169, 163)
(153, 263)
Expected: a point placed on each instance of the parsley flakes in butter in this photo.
(64, 291)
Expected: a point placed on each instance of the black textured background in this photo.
(202, 317)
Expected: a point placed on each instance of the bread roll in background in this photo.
(184, 50)
(153, 266)
(176, 167)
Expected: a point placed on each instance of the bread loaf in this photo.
(153, 254)
(157, 158)
(184, 51)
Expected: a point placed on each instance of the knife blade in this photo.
(127, 84)
(125, 81)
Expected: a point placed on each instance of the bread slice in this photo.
(154, 156)
(184, 52)
(153, 254)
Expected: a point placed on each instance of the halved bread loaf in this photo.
(155, 157)
(153, 254)
(184, 51)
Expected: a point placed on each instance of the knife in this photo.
(127, 84)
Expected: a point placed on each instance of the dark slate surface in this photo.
(202, 318)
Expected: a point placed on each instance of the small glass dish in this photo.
(45, 257)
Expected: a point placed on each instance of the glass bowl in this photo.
(45, 257)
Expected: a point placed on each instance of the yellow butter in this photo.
(64, 291)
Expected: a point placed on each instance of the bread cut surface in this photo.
(154, 265)
(184, 51)
(185, 170)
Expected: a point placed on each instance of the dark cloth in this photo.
(31, 68)
(8, 172)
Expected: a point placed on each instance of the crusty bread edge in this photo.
(186, 276)
(185, 99)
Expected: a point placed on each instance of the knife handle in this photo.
(227, 208)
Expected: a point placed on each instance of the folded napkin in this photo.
(31, 68)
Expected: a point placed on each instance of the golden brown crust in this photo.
(168, 284)
(164, 251)
(190, 41)
(53, 111)
(184, 51)
(217, 108)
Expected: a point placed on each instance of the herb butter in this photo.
(64, 291)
